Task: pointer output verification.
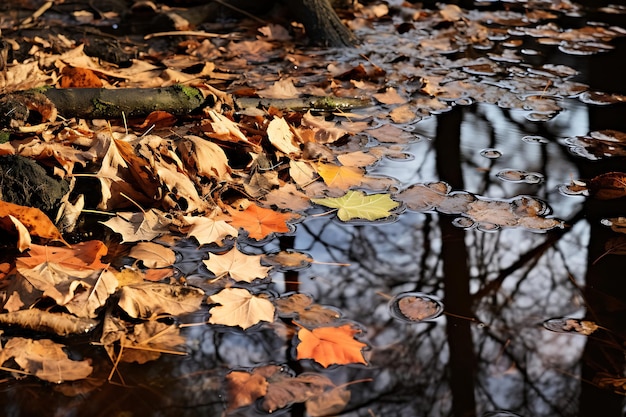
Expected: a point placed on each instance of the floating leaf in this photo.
(302, 307)
(358, 205)
(608, 186)
(62, 324)
(331, 345)
(238, 307)
(244, 388)
(260, 222)
(239, 266)
(570, 325)
(415, 307)
(288, 260)
(152, 298)
(339, 176)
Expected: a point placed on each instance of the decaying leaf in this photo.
(239, 266)
(244, 388)
(62, 324)
(331, 345)
(149, 340)
(328, 403)
(239, 307)
(284, 389)
(152, 298)
(308, 313)
(45, 359)
(358, 205)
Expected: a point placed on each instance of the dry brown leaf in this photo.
(139, 226)
(328, 403)
(207, 157)
(244, 388)
(153, 255)
(150, 299)
(239, 266)
(281, 136)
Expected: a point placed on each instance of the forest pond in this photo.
(462, 255)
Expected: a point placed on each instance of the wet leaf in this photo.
(45, 359)
(239, 266)
(260, 222)
(308, 313)
(35, 221)
(358, 205)
(328, 403)
(153, 255)
(239, 307)
(608, 186)
(331, 345)
(151, 339)
(570, 325)
(342, 177)
(62, 324)
(244, 388)
(284, 390)
(150, 299)
(288, 260)
(415, 307)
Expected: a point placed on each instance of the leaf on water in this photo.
(287, 197)
(45, 359)
(153, 255)
(392, 134)
(608, 186)
(239, 307)
(288, 259)
(283, 389)
(338, 176)
(239, 266)
(331, 345)
(281, 136)
(209, 230)
(139, 226)
(260, 222)
(35, 220)
(244, 388)
(570, 325)
(152, 298)
(151, 339)
(329, 403)
(302, 307)
(415, 307)
(358, 205)
(62, 324)
(424, 197)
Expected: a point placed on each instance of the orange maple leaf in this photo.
(260, 222)
(330, 345)
(84, 255)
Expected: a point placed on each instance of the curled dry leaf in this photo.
(35, 221)
(61, 324)
(45, 359)
(152, 298)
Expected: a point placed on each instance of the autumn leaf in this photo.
(302, 307)
(283, 389)
(281, 136)
(153, 255)
(35, 220)
(208, 230)
(287, 197)
(339, 176)
(608, 186)
(239, 266)
(61, 324)
(45, 359)
(83, 255)
(244, 388)
(330, 345)
(152, 298)
(149, 340)
(260, 222)
(358, 205)
(139, 226)
(207, 157)
(239, 307)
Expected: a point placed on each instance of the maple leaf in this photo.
(330, 345)
(239, 307)
(83, 255)
(358, 205)
(281, 136)
(139, 226)
(260, 222)
(302, 307)
(149, 340)
(209, 230)
(45, 359)
(339, 176)
(240, 266)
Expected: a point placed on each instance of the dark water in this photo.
(489, 351)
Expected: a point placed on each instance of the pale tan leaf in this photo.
(208, 158)
(239, 266)
(153, 255)
(139, 226)
(281, 136)
(208, 230)
(280, 89)
(238, 307)
(150, 299)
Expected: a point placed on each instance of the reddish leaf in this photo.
(260, 222)
(330, 345)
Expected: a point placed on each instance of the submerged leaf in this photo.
(358, 205)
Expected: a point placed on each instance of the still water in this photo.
(486, 348)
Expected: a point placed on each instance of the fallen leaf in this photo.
(209, 230)
(330, 345)
(280, 89)
(153, 255)
(62, 324)
(150, 299)
(338, 176)
(35, 220)
(358, 205)
(244, 388)
(149, 340)
(208, 158)
(288, 260)
(308, 313)
(239, 266)
(608, 186)
(328, 403)
(45, 359)
(288, 197)
(83, 255)
(239, 307)
(260, 222)
(283, 389)
(281, 136)
(139, 226)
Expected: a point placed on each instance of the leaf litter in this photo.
(234, 174)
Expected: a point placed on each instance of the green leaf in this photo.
(358, 205)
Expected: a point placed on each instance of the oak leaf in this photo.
(330, 345)
(339, 176)
(358, 205)
(239, 307)
(45, 359)
(260, 222)
(152, 298)
(239, 266)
